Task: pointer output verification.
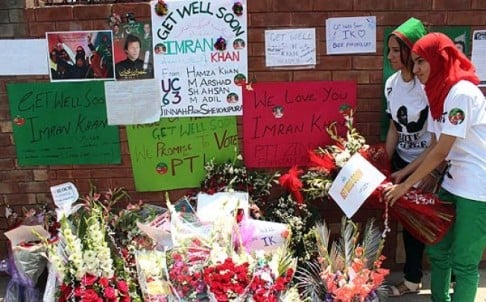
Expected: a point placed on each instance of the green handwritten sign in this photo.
(171, 153)
(62, 124)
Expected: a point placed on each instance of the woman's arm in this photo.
(391, 139)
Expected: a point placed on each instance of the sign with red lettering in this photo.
(171, 153)
(283, 121)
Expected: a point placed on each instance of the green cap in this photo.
(410, 31)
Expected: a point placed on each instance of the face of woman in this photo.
(394, 54)
(421, 68)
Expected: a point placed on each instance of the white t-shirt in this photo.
(465, 118)
(408, 108)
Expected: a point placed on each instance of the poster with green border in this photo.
(171, 153)
(62, 124)
(461, 35)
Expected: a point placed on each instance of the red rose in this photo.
(122, 286)
(110, 293)
(88, 280)
(89, 295)
(104, 282)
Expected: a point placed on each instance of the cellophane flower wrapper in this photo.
(153, 276)
(26, 264)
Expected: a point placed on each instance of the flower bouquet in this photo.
(87, 262)
(422, 213)
(26, 263)
(348, 271)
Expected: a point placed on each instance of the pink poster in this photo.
(283, 121)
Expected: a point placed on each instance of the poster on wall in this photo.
(80, 55)
(283, 121)
(477, 55)
(351, 35)
(62, 124)
(290, 47)
(171, 153)
(133, 50)
(23, 57)
(201, 51)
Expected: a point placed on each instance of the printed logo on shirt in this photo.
(456, 116)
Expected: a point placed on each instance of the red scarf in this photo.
(448, 65)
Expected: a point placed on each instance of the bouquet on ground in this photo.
(422, 213)
(26, 263)
(347, 271)
(87, 262)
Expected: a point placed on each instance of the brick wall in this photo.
(28, 186)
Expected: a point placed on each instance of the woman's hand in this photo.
(393, 192)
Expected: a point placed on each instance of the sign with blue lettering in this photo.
(351, 35)
(200, 57)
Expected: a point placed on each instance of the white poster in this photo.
(132, 102)
(290, 47)
(200, 57)
(24, 57)
(354, 184)
(351, 35)
(477, 57)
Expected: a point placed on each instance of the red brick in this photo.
(367, 62)
(451, 4)
(41, 175)
(256, 35)
(370, 91)
(39, 29)
(54, 13)
(19, 200)
(259, 6)
(8, 188)
(140, 10)
(5, 139)
(29, 15)
(292, 6)
(78, 25)
(91, 12)
(70, 174)
(309, 19)
(465, 17)
(333, 5)
(7, 164)
(33, 186)
(359, 77)
(478, 4)
(256, 49)
(412, 5)
(334, 62)
(365, 5)
(110, 173)
(16, 175)
(302, 75)
(273, 19)
(273, 76)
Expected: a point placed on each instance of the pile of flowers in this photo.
(347, 271)
(88, 264)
